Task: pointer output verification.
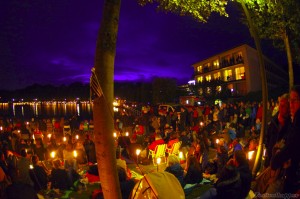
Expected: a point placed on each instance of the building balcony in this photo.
(223, 64)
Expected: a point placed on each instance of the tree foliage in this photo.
(275, 19)
(198, 9)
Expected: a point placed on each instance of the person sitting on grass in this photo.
(174, 167)
(194, 173)
(59, 177)
(38, 174)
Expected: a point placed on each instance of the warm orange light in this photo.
(52, 154)
(180, 155)
(138, 151)
(158, 161)
(250, 155)
(75, 153)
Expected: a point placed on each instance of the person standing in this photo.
(287, 155)
(278, 127)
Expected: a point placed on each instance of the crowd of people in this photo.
(38, 156)
(233, 131)
(41, 159)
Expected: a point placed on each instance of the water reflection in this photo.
(47, 109)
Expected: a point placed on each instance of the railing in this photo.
(223, 64)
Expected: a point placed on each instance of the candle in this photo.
(250, 154)
(138, 151)
(180, 155)
(75, 153)
(52, 154)
(158, 160)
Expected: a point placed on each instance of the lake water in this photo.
(47, 109)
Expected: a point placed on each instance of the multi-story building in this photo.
(237, 71)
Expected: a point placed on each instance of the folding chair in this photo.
(174, 150)
(159, 152)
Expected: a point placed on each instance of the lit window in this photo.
(228, 75)
(199, 69)
(200, 91)
(208, 77)
(200, 79)
(216, 64)
(240, 73)
(208, 90)
(206, 67)
(217, 75)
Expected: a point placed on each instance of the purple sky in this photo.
(53, 42)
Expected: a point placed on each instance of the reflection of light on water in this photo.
(65, 108)
(36, 112)
(78, 109)
(51, 108)
(54, 108)
(14, 109)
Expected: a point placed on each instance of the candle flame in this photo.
(138, 151)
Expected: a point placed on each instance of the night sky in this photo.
(53, 42)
